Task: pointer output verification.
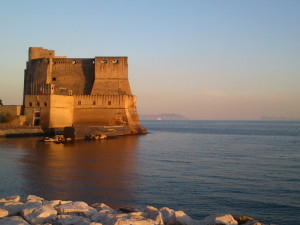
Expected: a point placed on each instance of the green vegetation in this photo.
(5, 117)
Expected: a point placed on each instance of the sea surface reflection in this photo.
(91, 171)
(201, 167)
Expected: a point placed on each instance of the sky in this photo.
(205, 60)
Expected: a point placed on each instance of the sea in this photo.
(247, 168)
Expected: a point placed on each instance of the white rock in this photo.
(166, 214)
(34, 198)
(180, 218)
(103, 217)
(12, 207)
(138, 214)
(39, 215)
(91, 211)
(128, 219)
(15, 198)
(64, 202)
(102, 206)
(3, 213)
(14, 220)
(53, 203)
(154, 214)
(72, 219)
(73, 208)
(84, 221)
(34, 201)
(222, 218)
(29, 205)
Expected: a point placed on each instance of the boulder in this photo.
(104, 217)
(29, 205)
(3, 213)
(53, 203)
(12, 207)
(166, 214)
(245, 220)
(74, 208)
(129, 219)
(219, 218)
(153, 214)
(34, 198)
(72, 219)
(180, 218)
(14, 220)
(39, 215)
(90, 212)
(15, 198)
(102, 206)
(64, 202)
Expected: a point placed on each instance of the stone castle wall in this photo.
(77, 91)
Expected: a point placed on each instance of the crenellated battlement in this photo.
(79, 91)
(103, 101)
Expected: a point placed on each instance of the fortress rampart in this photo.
(61, 92)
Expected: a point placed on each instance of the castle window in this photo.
(115, 61)
(94, 102)
(30, 104)
(38, 104)
(79, 102)
(53, 78)
(104, 61)
(74, 62)
(93, 62)
(109, 103)
(45, 103)
(50, 53)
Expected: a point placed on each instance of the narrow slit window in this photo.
(45, 103)
(79, 102)
(38, 104)
(30, 104)
(94, 102)
(53, 78)
(109, 102)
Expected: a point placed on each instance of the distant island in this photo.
(162, 117)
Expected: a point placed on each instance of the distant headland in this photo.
(163, 117)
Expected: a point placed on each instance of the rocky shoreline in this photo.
(36, 210)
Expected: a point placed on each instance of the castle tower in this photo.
(77, 91)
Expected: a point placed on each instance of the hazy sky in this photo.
(201, 59)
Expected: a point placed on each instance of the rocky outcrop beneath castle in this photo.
(81, 132)
(36, 210)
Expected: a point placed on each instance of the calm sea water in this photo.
(201, 167)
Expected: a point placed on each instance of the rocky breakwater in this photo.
(36, 210)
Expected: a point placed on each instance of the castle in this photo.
(62, 92)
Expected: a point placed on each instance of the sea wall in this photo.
(36, 210)
(20, 131)
(75, 133)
